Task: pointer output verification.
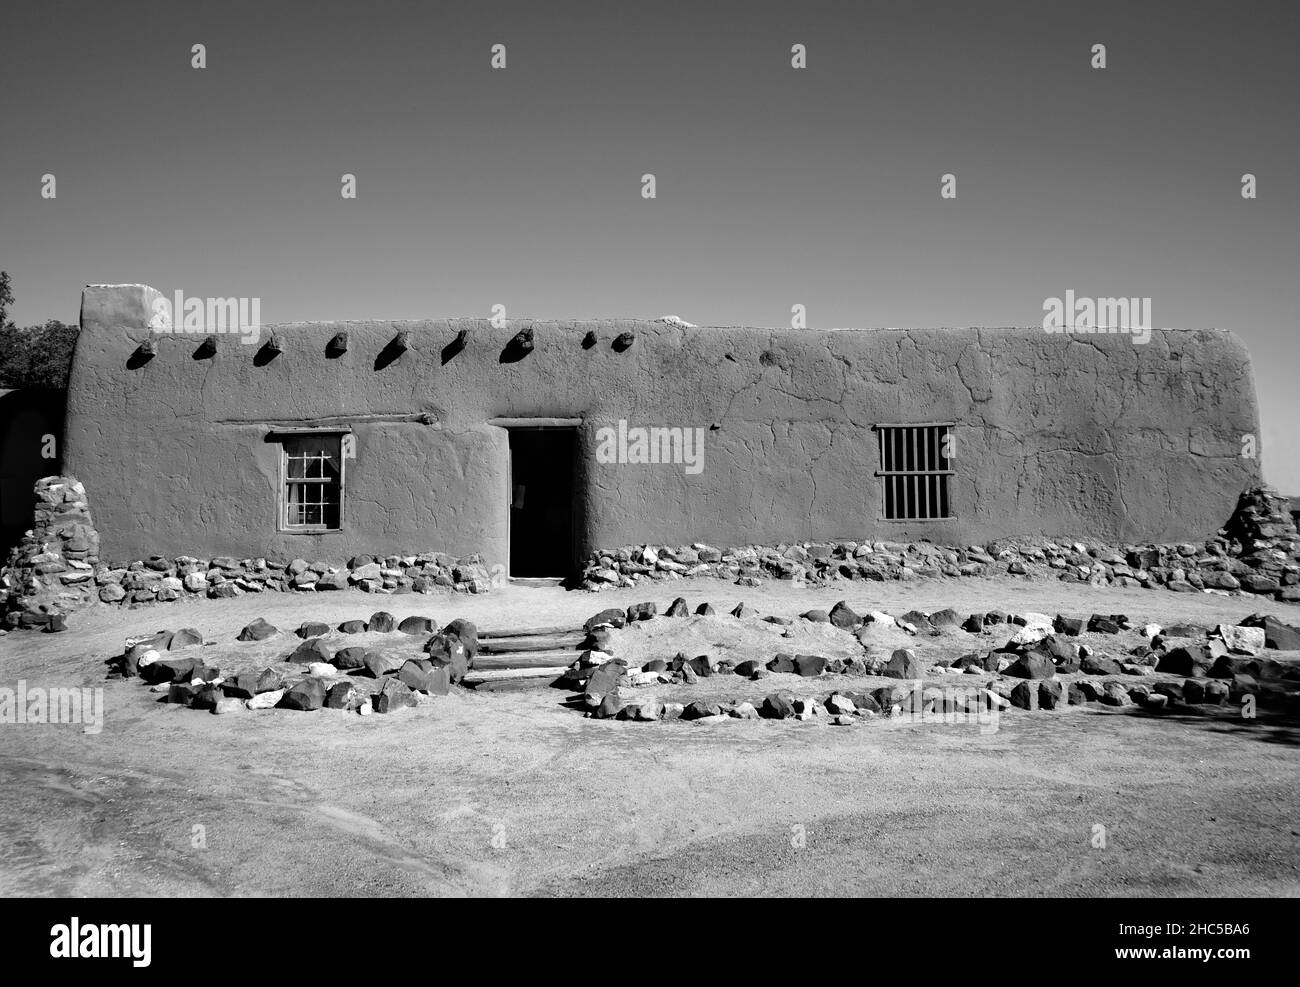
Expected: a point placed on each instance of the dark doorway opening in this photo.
(543, 503)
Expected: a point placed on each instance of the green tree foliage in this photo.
(35, 356)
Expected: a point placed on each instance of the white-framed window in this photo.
(915, 470)
(311, 480)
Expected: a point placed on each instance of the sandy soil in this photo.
(516, 794)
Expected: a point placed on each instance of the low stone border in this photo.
(1257, 551)
(353, 678)
(1220, 663)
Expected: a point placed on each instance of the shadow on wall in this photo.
(31, 433)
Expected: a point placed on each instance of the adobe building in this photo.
(534, 444)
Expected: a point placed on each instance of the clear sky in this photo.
(775, 186)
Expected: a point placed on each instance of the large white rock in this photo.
(1242, 640)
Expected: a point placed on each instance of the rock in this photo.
(678, 608)
(1277, 635)
(641, 611)
(258, 630)
(467, 632)
(902, 664)
(352, 627)
(1025, 696)
(782, 662)
(843, 616)
(603, 680)
(246, 685)
(1051, 694)
(322, 670)
(1071, 626)
(776, 706)
(743, 711)
(417, 625)
(380, 663)
(423, 675)
(649, 710)
(309, 651)
(1193, 660)
(1032, 665)
(168, 670)
(446, 650)
(1173, 690)
(187, 637)
(332, 580)
(182, 693)
(748, 667)
(699, 709)
(1114, 694)
(266, 700)
(613, 617)
(382, 622)
(973, 624)
(1100, 665)
(700, 665)
(307, 695)
(1099, 624)
(312, 629)
(947, 618)
(1217, 693)
(1155, 702)
(1242, 640)
(342, 695)
(705, 610)
(816, 616)
(351, 658)
(608, 708)
(809, 665)
(392, 696)
(228, 705)
(840, 705)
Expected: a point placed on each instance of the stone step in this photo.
(525, 659)
(527, 632)
(510, 674)
(509, 685)
(533, 642)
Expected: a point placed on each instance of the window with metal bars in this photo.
(312, 487)
(915, 466)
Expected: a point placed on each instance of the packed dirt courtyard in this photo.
(513, 793)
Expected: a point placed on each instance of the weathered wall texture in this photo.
(1057, 435)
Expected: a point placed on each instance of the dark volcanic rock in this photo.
(394, 695)
(843, 616)
(382, 622)
(258, 630)
(1032, 665)
(307, 695)
(678, 608)
(310, 651)
(417, 625)
(902, 664)
(809, 665)
(776, 706)
(312, 628)
(613, 617)
(468, 634)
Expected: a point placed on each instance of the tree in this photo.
(38, 356)
(6, 299)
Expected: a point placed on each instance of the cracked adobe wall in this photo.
(1057, 435)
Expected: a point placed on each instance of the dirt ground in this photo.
(513, 793)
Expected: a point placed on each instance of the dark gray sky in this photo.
(775, 187)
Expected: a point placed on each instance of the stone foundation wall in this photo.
(56, 569)
(1257, 551)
